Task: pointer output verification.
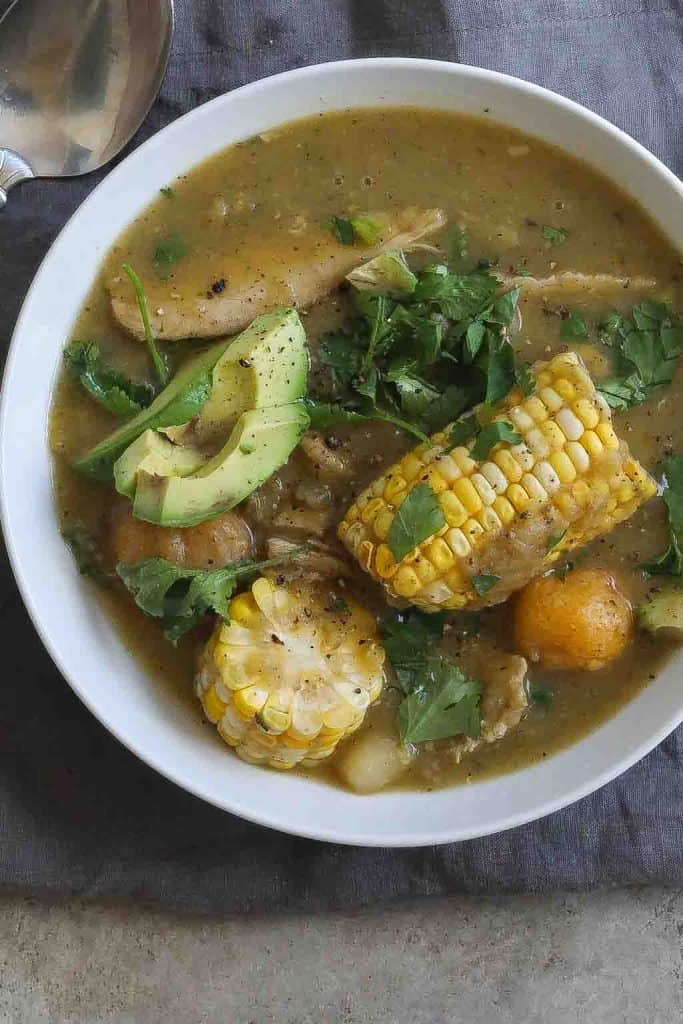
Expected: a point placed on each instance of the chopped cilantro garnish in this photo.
(167, 191)
(483, 582)
(458, 244)
(440, 700)
(108, 386)
(523, 379)
(647, 345)
(573, 326)
(671, 561)
(418, 517)
(339, 606)
(462, 431)
(169, 251)
(181, 597)
(491, 435)
(86, 552)
(362, 228)
(556, 236)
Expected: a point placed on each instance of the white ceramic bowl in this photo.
(76, 632)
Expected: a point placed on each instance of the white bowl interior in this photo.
(78, 634)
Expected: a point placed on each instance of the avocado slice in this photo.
(265, 365)
(261, 442)
(154, 453)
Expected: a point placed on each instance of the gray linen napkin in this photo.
(78, 813)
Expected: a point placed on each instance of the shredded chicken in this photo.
(503, 702)
(328, 462)
(570, 283)
(312, 269)
(317, 560)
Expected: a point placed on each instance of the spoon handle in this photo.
(13, 169)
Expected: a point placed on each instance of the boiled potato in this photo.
(371, 761)
(581, 622)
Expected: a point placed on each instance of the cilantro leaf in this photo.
(462, 431)
(108, 386)
(342, 230)
(169, 250)
(362, 228)
(167, 191)
(556, 236)
(482, 583)
(500, 369)
(573, 326)
(419, 516)
(457, 246)
(523, 379)
(181, 597)
(459, 296)
(446, 705)
(491, 435)
(648, 344)
(554, 539)
(440, 700)
(671, 561)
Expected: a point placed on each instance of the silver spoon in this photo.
(77, 78)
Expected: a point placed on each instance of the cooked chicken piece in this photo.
(317, 560)
(210, 545)
(316, 264)
(570, 285)
(305, 521)
(503, 701)
(329, 461)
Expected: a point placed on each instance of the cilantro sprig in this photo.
(670, 562)
(440, 701)
(181, 597)
(647, 346)
(112, 389)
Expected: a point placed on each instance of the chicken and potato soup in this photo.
(368, 434)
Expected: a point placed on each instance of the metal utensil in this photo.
(77, 78)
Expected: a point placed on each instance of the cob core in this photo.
(568, 481)
(291, 674)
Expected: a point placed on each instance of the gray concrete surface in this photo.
(599, 958)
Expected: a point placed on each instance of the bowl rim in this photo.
(275, 818)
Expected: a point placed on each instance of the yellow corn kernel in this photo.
(424, 570)
(213, 705)
(382, 524)
(406, 582)
(534, 488)
(440, 555)
(364, 553)
(489, 520)
(509, 465)
(448, 468)
(353, 513)
(605, 432)
(371, 509)
(465, 464)
(504, 510)
(453, 509)
(566, 505)
(394, 486)
(587, 413)
(243, 609)
(435, 479)
(563, 466)
(552, 434)
(518, 497)
(624, 493)
(544, 379)
(411, 466)
(536, 409)
(592, 443)
(484, 489)
(249, 700)
(458, 543)
(473, 531)
(564, 388)
(465, 490)
(454, 579)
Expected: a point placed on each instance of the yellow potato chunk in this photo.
(371, 762)
(581, 622)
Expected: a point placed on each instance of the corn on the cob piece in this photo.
(291, 674)
(569, 480)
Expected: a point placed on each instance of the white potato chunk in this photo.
(371, 762)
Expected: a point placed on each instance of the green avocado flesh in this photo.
(155, 454)
(265, 365)
(261, 442)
